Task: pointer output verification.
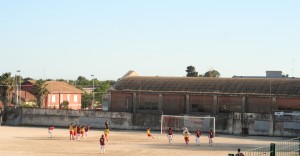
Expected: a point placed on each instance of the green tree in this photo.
(41, 92)
(27, 78)
(62, 80)
(191, 71)
(102, 89)
(6, 88)
(86, 100)
(64, 105)
(212, 73)
(81, 82)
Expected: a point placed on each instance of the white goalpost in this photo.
(193, 123)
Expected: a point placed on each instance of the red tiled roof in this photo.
(57, 87)
(25, 96)
(61, 87)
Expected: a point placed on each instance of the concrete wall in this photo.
(46, 117)
(226, 123)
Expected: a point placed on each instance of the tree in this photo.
(212, 73)
(40, 91)
(6, 88)
(86, 100)
(82, 81)
(191, 72)
(64, 105)
(27, 78)
(101, 88)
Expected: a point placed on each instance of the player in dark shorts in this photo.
(106, 124)
(210, 137)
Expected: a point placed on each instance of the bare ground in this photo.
(17, 141)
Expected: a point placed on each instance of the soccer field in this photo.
(34, 141)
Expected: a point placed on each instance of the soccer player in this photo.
(106, 124)
(51, 128)
(106, 132)
(78, 132)
(170, 136)
(87, 128)
(239, 153)
(82, 131)
(149, 133)
(197, 135)
(71, 131)
(186, 137)
(210, 137)
(75, 132)
(185, 130)
(102, 144)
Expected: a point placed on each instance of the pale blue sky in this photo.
(68, 38)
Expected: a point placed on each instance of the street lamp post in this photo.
(18, 94)
(93, 92)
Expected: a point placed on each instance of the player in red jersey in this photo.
(210, 137)
(51, 128)
(78, 132)
(197, 135)
(170, 136)
(102, 144)
(239, 153)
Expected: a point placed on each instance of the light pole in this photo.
(93, 92)
(18, 95)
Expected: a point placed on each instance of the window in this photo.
(75, 98)
(61, 98)
(53, 98)
(199, 108)
(68, 97)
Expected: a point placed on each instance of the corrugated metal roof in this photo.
(284, 86)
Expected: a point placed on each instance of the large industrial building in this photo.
(200, 95)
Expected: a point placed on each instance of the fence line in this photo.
(289, 147)
(260, 151)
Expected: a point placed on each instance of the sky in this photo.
(65, 39)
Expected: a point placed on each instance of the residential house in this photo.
(58, 92)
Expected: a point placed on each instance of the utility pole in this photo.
(17, 87)
(92, 107)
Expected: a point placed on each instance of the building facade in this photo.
(58, 92)
(198, 95)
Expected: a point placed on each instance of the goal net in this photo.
(177, 123)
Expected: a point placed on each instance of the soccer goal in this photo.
(177, 123)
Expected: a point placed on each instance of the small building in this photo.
(269, 74)
(24, 97)
(59, 91)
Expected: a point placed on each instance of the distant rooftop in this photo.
(269, 74)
